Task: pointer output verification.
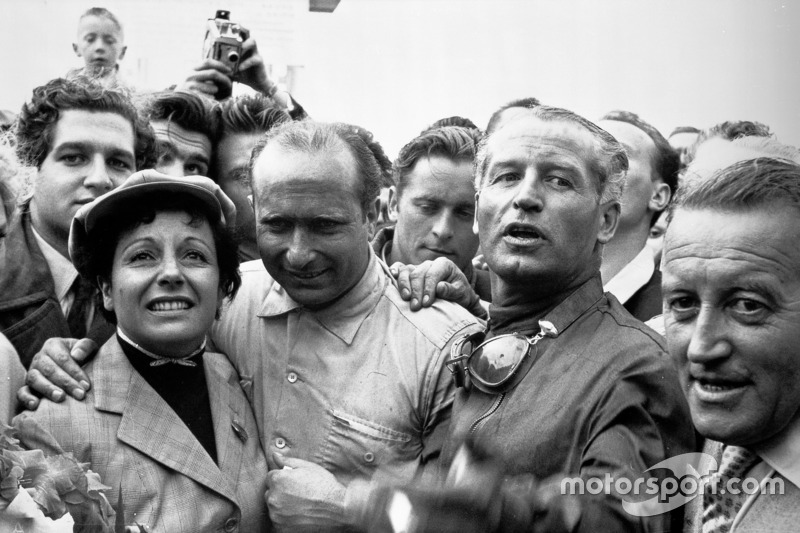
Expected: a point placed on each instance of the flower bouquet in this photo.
(49, 494)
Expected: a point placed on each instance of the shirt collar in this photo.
(344, 317)
(782, 452)
(61, 268)
(633, 276)
(521, 319)
(382, 244)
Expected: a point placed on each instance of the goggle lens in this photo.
(495, 361)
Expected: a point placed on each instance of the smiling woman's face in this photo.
(165, 286)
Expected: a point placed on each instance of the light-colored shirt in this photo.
(632, 277)
(64, 276)
(63, 272)
(354, 386)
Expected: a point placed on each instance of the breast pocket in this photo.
(359, 446)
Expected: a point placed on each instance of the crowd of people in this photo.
(247, 320)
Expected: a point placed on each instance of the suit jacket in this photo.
(646, 302)
(141, 448)
(29, 309)
(778, 513)
(12, 377)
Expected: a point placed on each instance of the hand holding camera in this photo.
(230, 54)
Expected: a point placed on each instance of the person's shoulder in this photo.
(630, 328)
(256, 284)
(439, 323)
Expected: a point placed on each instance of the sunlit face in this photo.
(435, 212)
(165, 283)
(640, 196)
(181, 152)
(539, 214)
(313, 234)
(99, 42)
(731, 287)
(232, 173)
(90, 154)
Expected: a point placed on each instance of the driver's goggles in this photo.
(493, 363)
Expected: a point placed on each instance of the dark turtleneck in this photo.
(185, 390)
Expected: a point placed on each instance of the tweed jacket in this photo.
(29, 309)
(143, 450)
(779, 513)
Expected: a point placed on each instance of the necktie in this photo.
(78, 313)
(719, 510)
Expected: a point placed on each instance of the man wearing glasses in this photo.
(565, 383)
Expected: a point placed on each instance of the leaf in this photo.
(10, 484)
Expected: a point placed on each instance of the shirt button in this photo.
(292, 377)
(231, 524)
(280, 443)
(369, 457)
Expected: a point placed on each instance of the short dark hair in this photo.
(188, 110)
(453, 142)
(38, 118)
(523, 103)
(748, 184)
(309, 136)
(666, 160)
(250, 113)
(97, 261)
(102, 12)
(451, 121)
(609, 163)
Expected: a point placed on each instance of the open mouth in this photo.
(311, 274)
(713, 387)
(523, 232)
(169, 305)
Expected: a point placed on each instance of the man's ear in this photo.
(75, 49)
(122, 53)
(392, 203)
(105, 290)
(660, 197)
(372, 216)
(609, 217)
(475, 216)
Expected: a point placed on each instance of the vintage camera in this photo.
(224, 40)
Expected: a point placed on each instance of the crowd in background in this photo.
(247, 319)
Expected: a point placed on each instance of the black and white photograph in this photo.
(402, 266)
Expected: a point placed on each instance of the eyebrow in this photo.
(86, 147)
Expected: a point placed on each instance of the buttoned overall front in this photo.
(358, 385)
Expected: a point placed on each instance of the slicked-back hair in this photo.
(666, 160)
(523, 103)
(250, 113)
(311, 137)
(752, 183)
(188, 110)
(102, 13)
(608, 163)
(452, 142)
(38, 118)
